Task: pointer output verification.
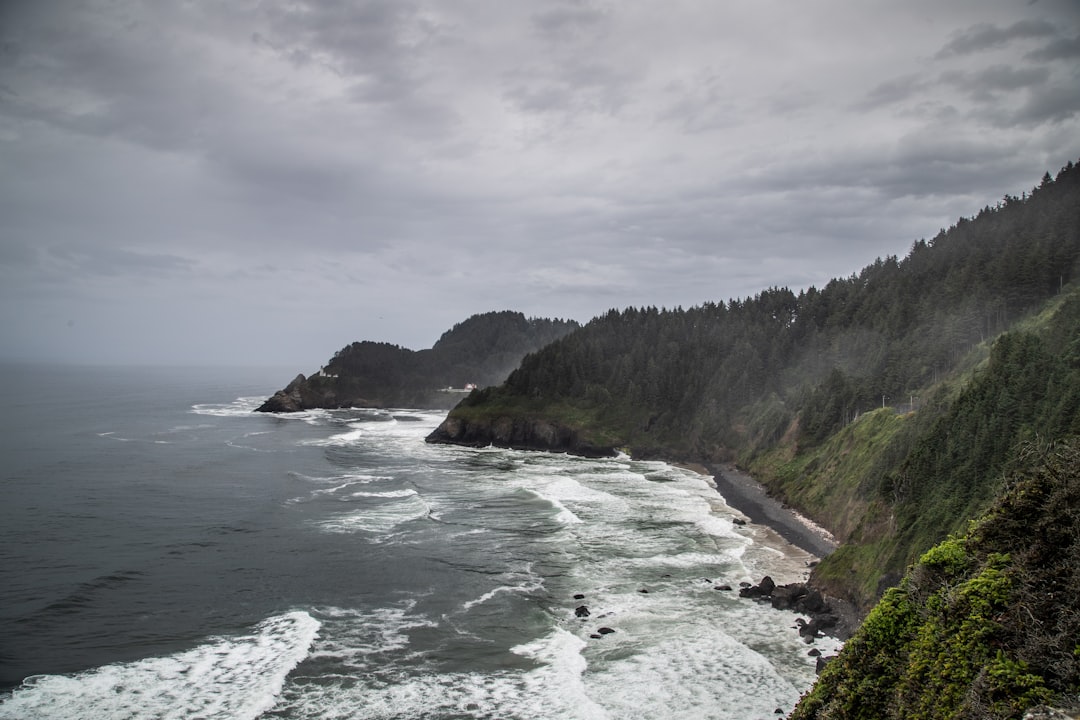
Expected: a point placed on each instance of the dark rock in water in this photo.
(798, 597)
(744, 584)
(819, 625)
(763, 589)
(822, 661)
(643, 591)
(595, 636)
(287, 400)
(826, 618)
(814, 602)
(581, 611)
(785, 597)
(579, 596)
(738, 521)
(814, 652)
(724, 587)
(605, 631)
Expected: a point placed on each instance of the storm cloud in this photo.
(217, 183)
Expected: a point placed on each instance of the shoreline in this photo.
(747, 496)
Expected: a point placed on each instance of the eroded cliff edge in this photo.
(517, 433)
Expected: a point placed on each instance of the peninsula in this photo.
(477, 352)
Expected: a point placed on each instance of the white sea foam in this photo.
(552, 687)
(696, 671)
(228, 678)
(339, 481)
(360, 639)
(343, 483)
(237, 408)
(563, 515)
(700, 673)
(407, 492)
(378, 519)
(338, 440)
(529, 583)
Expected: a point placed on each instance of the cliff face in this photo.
(303, 393)
(517, 433)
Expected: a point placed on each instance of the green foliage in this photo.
(984, 625)
(950, 557)
(860, 683)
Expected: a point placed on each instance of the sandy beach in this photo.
(746, 495)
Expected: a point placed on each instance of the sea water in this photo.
(166, 552)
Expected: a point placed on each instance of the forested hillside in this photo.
(480, 351)
(864, 403)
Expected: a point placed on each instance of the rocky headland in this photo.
(478, 352)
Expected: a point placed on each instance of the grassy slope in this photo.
(853, 483)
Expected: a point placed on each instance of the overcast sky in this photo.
(266, 182)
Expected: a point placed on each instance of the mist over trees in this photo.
(946, 340)
(710, 379)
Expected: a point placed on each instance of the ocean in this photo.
(165, 552)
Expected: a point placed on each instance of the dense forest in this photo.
(885, 405)
(480, 351)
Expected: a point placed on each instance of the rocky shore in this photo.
(831, 616)
(828, 615)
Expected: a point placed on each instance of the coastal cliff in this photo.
(517, 433)
(300, 394)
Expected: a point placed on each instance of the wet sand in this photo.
(746, 495)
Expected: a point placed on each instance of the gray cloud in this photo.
(985, 36)
(1059, 49)
(1056, 103)
(568, 21)
(209, 175)
(115, 262)
(983, 83)
(894, 91)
